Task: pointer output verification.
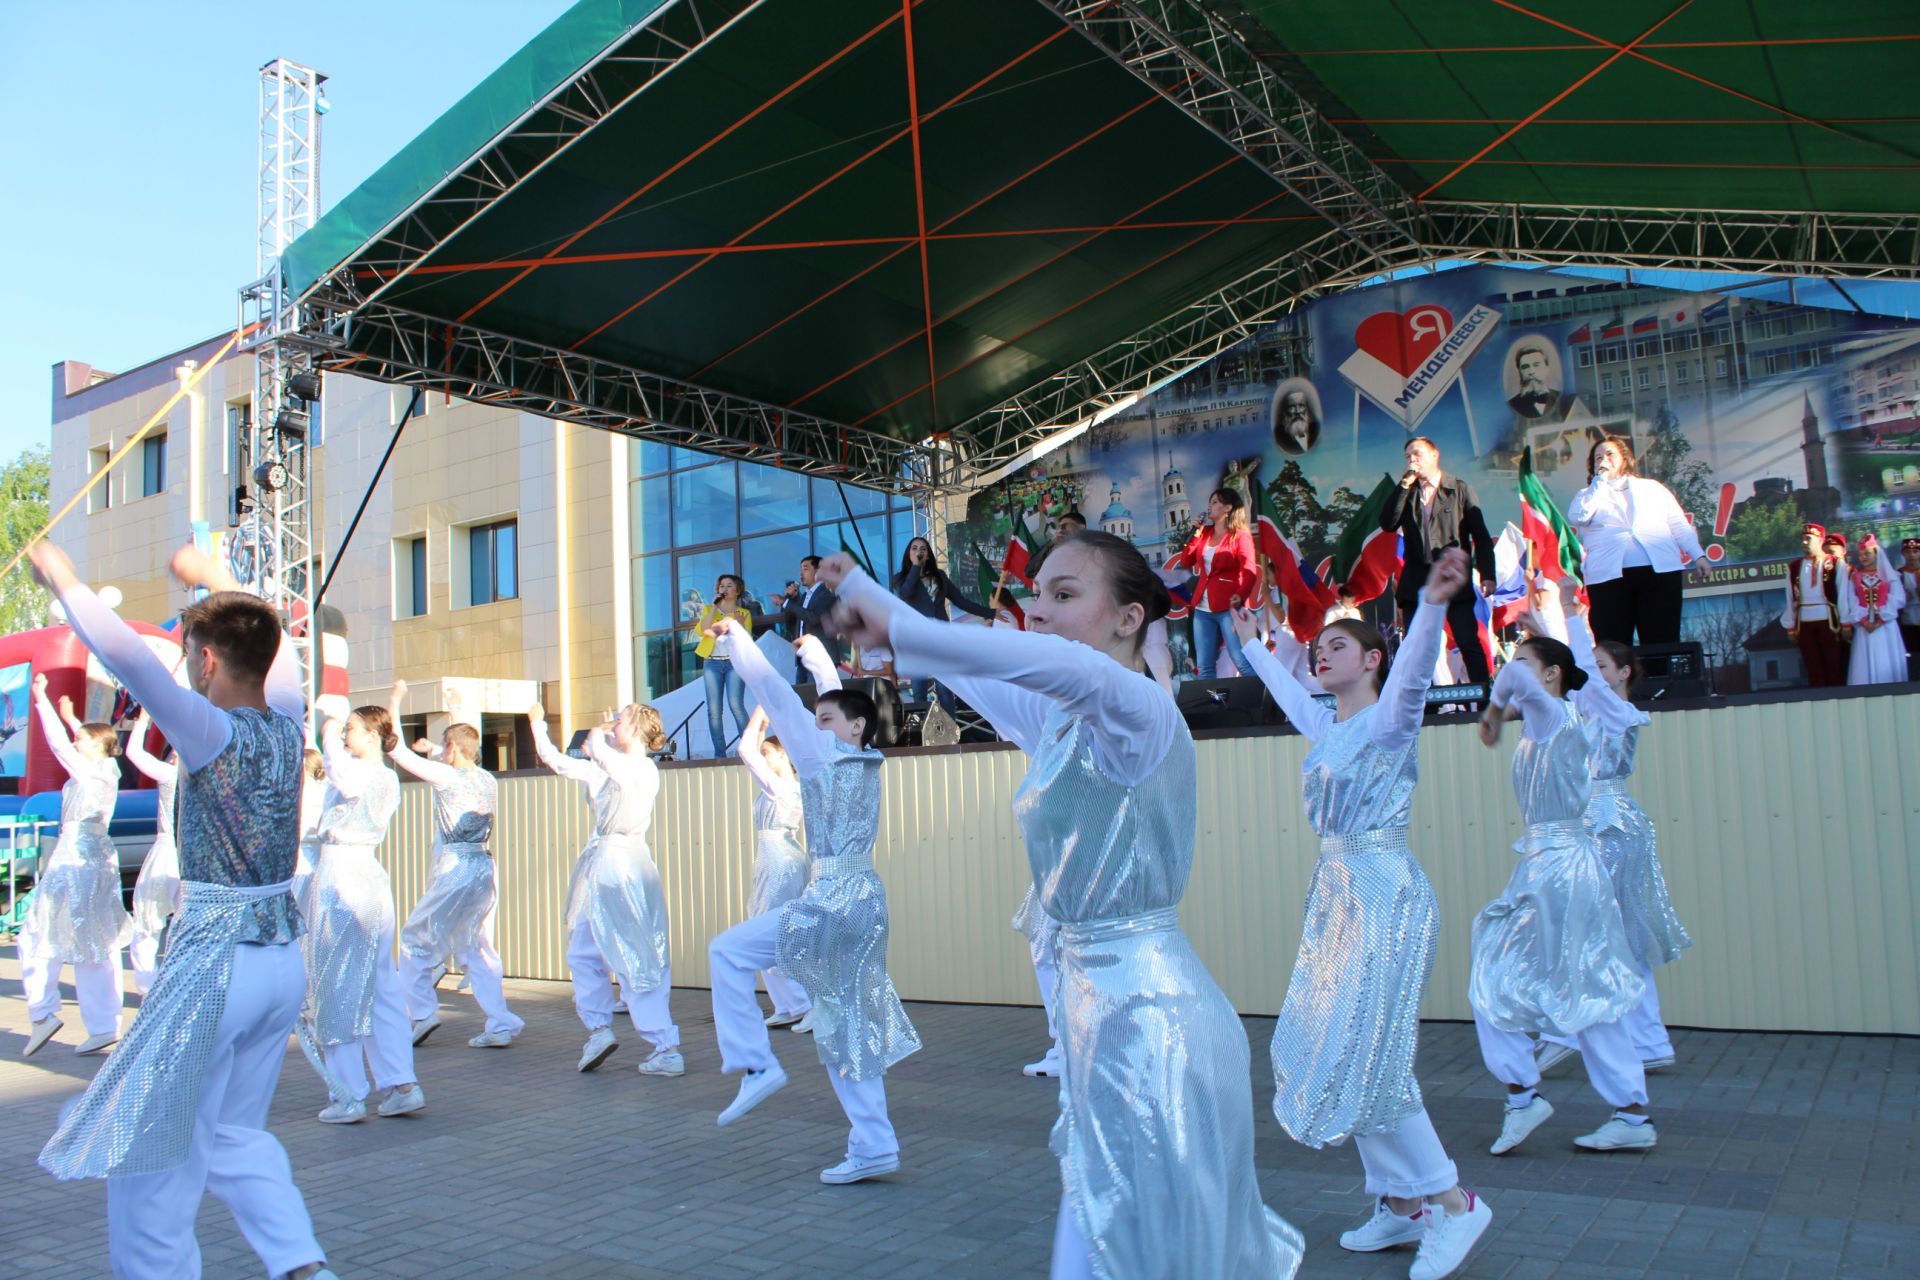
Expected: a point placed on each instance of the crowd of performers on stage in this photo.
(278, 917)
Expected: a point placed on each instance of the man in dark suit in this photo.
(1432, 511)
(805, 611)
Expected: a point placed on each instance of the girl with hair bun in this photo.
(1155, 1135)
(1343, 1048)
(355, 1011)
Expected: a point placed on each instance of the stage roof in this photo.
(902, 242)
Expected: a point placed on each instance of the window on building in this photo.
(1585, 357)
(410, 576)
(153, 464)
(1681, 372)
(100, 497)
(1719, 366)
(398, 398)
(1646, 379)
(1606, 384)
(492, 561)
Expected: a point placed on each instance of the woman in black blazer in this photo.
(923, 584)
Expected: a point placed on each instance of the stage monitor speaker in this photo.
(1673, 671)
(1233, 702)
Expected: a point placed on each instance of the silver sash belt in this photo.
(1610, 787)
(1380, 840)
(1083, 932)
(846, 864)
(1544, 835)
(138, 1114)
(466, 848)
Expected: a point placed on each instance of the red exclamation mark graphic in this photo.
(1716, 552)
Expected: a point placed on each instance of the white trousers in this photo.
(1408, 1162)
(481, 964)
(1072, 1259)
(98, 986)
(787, 995)
(390, 1047)
(143, 953)
(150, 1216)
(1649, 1034)
(1606, 1048)
(745, 1045)
(651, 1011)
(1047, 974)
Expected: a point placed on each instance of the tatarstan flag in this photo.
(1021, 549)
(1553, 547)
(990, 582)
(1366, 557)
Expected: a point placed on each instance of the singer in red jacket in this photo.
(1221, 553)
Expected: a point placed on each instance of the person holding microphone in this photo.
(1636, 541)
(1221, 554)
(1431, 511)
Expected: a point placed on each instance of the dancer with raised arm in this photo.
(779, 855)
(1155, 1135)
(1550, 954)
(616, 909)
(181, 1106)
(156, 894)
(450, 918)
(1343, 1049)
(355, 1008)
(832, 939)
(74, 916)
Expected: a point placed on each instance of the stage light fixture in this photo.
(292, 421)
(304, 386)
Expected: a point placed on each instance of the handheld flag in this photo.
(1508, 599)
(1554, 548)
(1366, 558)
(990, 582)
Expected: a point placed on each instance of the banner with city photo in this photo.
(1758, 415)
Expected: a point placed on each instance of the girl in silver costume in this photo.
(355, 1010)
(1550, 954)
(1343, 1049)
(1155, 1135)
(779, 856)
(156, 894)
(450, 917)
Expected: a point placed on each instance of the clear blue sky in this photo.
(127, 157)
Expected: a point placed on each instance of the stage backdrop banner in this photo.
(1758, 415)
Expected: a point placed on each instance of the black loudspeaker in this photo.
(1673, 671)
(1235, 702)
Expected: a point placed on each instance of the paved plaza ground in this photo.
(1779, 1156)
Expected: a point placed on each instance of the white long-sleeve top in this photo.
(93, 786)
(1629, 521)
(362, 795)
(1403, 698)
(635, 780)
(1541, 712)
(165, 774)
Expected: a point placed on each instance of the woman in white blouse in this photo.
(1636, 540)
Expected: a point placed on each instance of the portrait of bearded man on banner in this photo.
(1535, 393)
(1296, 416)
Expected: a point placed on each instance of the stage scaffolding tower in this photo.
(271, 547)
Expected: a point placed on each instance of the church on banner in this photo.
(1758, 414)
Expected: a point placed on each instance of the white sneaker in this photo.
(1047, 1066)
(619, 1006)
(782, 1018)
(755, 1087)
(1619, 1135)
(41, 1032)
(491, 1040)
(599, 1047)
(425, 1027)
(1450, 1238)
(859, 1169)
(1521, 1121)
(97, 1044)
(439, 972)
(1660, 1063)
(1384, 1230)
(664, 1062)
(1547, 1055)
(465, 983)
(403, 1102)
(805, 1025)
(350, 1112)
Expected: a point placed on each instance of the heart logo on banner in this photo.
(1403, 342)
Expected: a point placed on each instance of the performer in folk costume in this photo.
(779, 856)
(74, 916)
(156, 894)
(832, 939)
(451, 915)
(1816, 582)
(1550, 954)
(181, 1106)
(1155, 1135)
(616, 908)
(356, 1012)
(1871, 606)
(1343, 1049)
(1629, 849)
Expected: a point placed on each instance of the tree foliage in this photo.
(1669, 459)
(23, 513)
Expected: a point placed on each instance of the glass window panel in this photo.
(703, 506)
(650, 514)
(653, 593)
(690, 458)
(644, 457)
(696, 572)
(664, 664)
(506, 560)
(417, 568)
(905, 530)
(826, 500)
(770, 562)
(871, 545)
(479, 565)
(771, 498)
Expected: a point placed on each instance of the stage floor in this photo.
(1779, 1155)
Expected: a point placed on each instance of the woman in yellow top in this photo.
(716, 660)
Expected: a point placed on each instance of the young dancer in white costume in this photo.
(1550, 954)
(355, 1010)
(1343, 1048)
(75, 917)
(832, 939)
(180, 1108)
(1155, 1135)
(450, 918)
(779, 855)
(616, 908)
(156, 894)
